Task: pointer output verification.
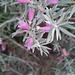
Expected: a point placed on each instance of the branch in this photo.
(15, 71)
(13, 19)
(19, 45)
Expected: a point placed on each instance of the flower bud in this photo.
(30, 41)
(45, 28)
(31, 14)
(3, 47)
(64, 52)
(23, 25)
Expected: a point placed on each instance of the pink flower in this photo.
(52, 2)
(3, 47)
(46, 28)
(23, 1)
(61, 58)
(23, 25)
(40, 11)
(31, 14)
(64, 52)
(30, 41)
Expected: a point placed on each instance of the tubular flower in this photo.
(30, 41)
(61, 58)
(46, 28)
(64, 52)
(23, 1)
(52, 2)
(3, 47)
(31, 14)
(40, 11)
(23, 25)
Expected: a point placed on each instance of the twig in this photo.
(72, 39)
(19, 45)
(13, 19)
(16, 71)
(70, 69)
(72, 19)
(27, 63)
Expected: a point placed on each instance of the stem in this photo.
(69, 66)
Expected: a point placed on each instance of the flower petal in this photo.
(3, 47)
(61, 58)
(23, 25)
(46, 28)
(30, 41)
(23, 1)
(31, 14)
(64, 52)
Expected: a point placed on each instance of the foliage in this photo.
(61, 35)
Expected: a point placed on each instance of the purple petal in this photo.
(67, 54)
(23, 25)
(64, 52)
(23, 1)
(46, 28)
(30, 41)
(61, 58)
(3, 47)
(31, 14)
(40, 11)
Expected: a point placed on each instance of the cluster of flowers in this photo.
(2, 45)
(24, 26)
(28, 1)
